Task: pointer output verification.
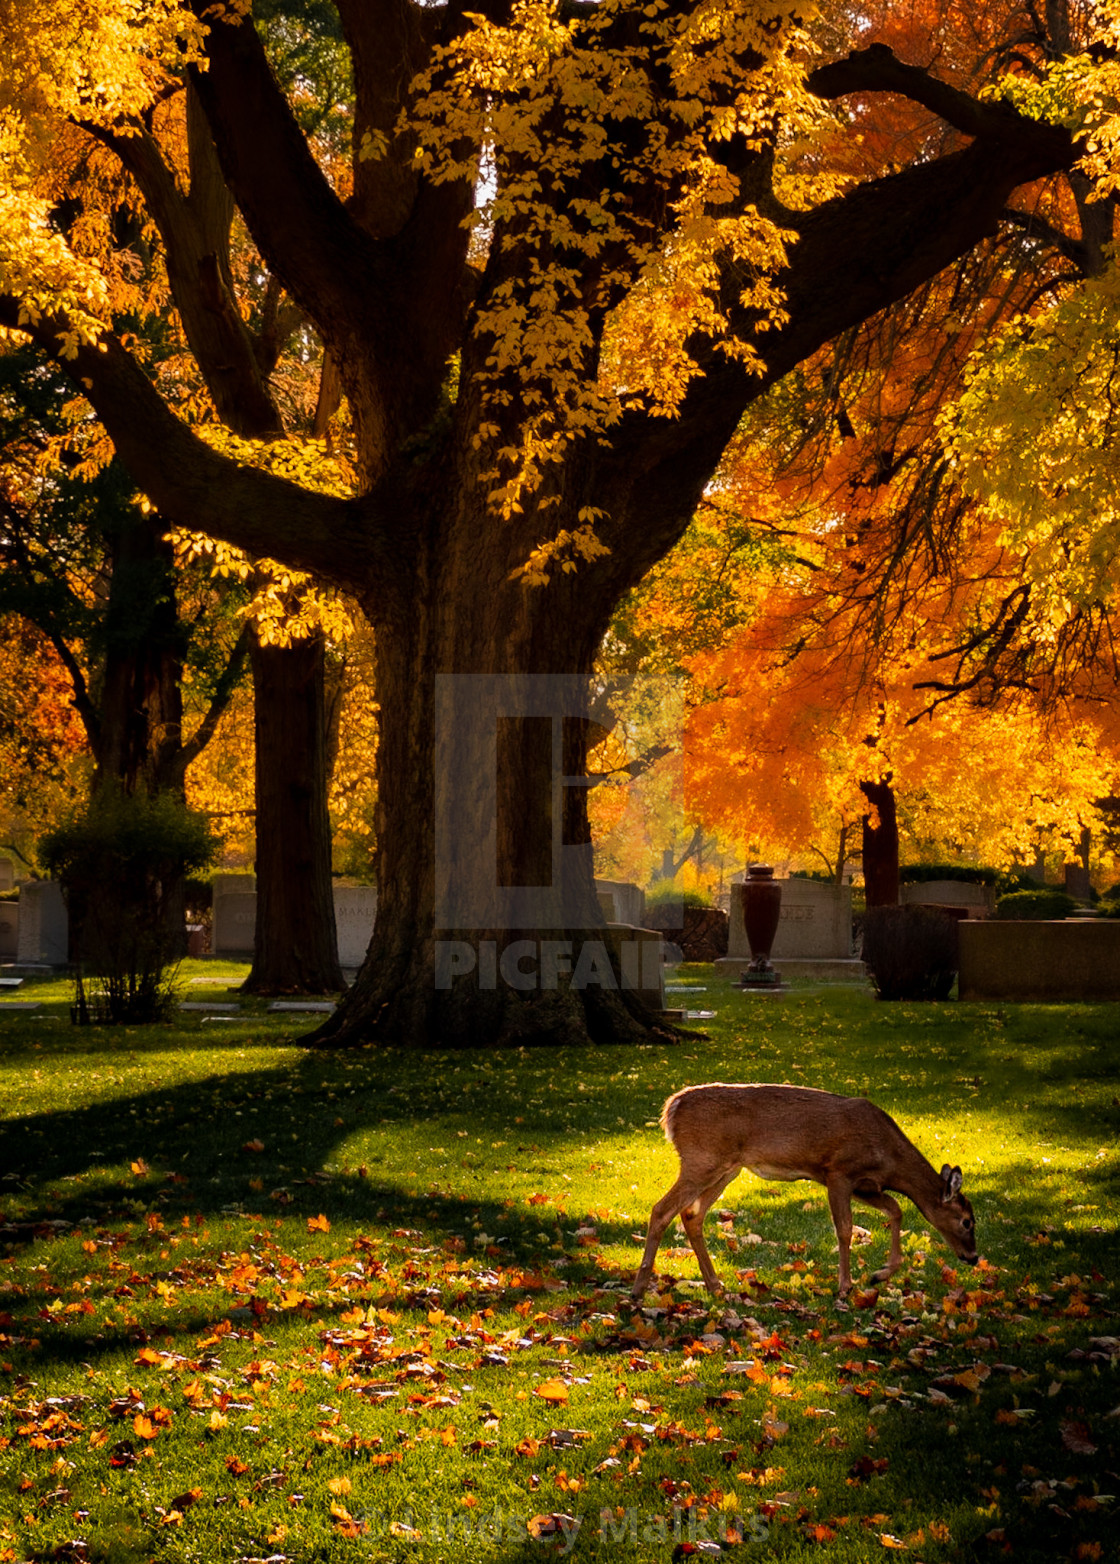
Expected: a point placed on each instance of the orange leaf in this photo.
(143, 1427)
(253, 1145)
(139, 1167)
(553, 1390)
(318, 1224)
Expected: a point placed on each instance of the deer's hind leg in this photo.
(691, 1192)
(693, 1219)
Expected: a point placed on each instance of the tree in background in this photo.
(665, 231)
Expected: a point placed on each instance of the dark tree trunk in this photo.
(482, 836)
(880, 845)
(139, 723)
(296, 947)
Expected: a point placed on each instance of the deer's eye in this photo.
(967, 1224)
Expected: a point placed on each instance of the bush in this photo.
(910, 952)
(1035, 905)
(969, 873)
(665, 891)
(121, 864)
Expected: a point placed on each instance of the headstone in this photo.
(7, 875)
(233, 884)
(815, 922)
(355, 908)
(978, 900)
(607, 907)
(639, 956)
(44, 927)
(233, 928)
(1040, 961)
(629, 900)
(9, 930)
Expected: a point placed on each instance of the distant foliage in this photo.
(910, 952)
(1035, 904)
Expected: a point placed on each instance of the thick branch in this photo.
(877, 69)
(195, 486)
(854, 256)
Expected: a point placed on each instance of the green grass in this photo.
(260, 1302)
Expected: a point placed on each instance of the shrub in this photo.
(1035, 905)
(910, 952)
(666, 891)
(121, 863)
(969, 873)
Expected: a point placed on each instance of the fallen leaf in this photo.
(553, 1390)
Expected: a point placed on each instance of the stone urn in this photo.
(762, 905)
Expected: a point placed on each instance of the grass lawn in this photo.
(258, 1303)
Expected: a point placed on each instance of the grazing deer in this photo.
(847, 1144)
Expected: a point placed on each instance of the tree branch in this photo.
(223, 694)
(195, 486)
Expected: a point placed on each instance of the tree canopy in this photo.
(571, 244)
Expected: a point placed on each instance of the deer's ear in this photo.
(951, 1181)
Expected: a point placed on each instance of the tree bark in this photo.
(880, 845)
(295, 946)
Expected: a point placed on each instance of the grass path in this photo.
(263, 1303)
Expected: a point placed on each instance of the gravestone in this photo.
(44, 927)
(979, 901)
(629, 901)
(638, 954)
(9, 930)
(1040, 961)
(234, 921)
(233, 884)
(7, 875)
(355, 908)
(233, 929)
(814, 937)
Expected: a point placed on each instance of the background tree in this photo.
(650, 259)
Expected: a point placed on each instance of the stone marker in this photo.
(355, 908)
(16, 1006)
(629, 901)
(44, 927)
(7, 875)
(304, 1004)
(200, 1004)
(978, 900)
(9, 930)
(1040, 960)
(234, 923)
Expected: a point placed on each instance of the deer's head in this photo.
(953, 1216)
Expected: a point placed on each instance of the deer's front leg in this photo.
(894, 1222)
(840, 1204)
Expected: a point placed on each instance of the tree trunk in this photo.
(296, 946)
(488, 925)
(880, 845)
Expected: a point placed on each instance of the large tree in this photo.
(538, 397)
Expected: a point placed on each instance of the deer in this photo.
(847, 1144)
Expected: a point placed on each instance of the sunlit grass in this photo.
(289, 1303)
